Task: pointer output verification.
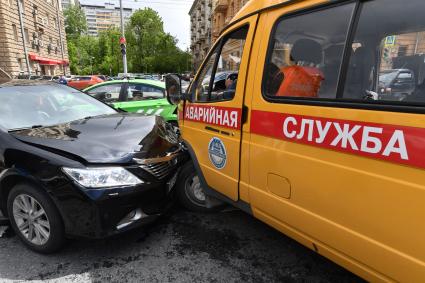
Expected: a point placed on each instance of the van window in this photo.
(390, 64)
(306, 52)
(219, 77)
(200, 89)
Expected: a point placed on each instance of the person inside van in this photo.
(231, 83)
(303, 77)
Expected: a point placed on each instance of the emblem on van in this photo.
(217, 153)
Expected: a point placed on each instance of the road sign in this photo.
(122, 40)
(390, 40)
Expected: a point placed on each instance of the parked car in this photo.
(136, 95)
(396, 84)
(72, 166)
(28, 77)
(82, 82)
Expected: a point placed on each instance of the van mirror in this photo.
(173, 86)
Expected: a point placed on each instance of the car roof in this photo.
(257, 6)
(140, 81)
(17, 82)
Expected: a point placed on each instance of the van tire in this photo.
(51, 216)
(189, 191)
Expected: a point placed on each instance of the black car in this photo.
(71, 166)
(396, 84)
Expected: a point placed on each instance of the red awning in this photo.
(47, 61)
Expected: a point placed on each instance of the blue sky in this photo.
(174, 13)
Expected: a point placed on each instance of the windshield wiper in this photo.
(26, 128)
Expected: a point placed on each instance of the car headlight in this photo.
(102, 177)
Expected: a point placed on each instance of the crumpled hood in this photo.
(106, 139)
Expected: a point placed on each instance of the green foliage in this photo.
(149, 48)
(75, 21)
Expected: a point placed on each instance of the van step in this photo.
(4, 221)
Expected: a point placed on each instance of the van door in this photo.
(213, 117)
(335, 162)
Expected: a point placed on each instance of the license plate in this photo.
(172, 182)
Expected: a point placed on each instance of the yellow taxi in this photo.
(309, 115)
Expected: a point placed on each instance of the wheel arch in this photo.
(214, 196)
(8, 180)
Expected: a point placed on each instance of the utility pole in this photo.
(123, 41)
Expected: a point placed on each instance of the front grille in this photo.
(161, 169)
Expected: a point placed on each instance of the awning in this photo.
(47, 61)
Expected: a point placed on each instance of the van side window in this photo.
(390, 63)
(305, 54)
(200, 89)
(219, 77)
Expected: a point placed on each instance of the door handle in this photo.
(245, 110)
(211, 129)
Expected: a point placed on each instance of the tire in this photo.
(189, 191)
(42, 233)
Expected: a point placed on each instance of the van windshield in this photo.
(46, 105)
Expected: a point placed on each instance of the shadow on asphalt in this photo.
(229, 246)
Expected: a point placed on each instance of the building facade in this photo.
(67, 3)
(200, 28)
(102, 17)
(32, 37)
(223, 12)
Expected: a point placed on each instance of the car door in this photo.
(145, 99)
(213, 117)
(332, 163)
(106, 92)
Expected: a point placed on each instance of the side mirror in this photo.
(173, 86)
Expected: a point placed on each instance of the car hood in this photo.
(117, 138)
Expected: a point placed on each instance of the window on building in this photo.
(306, 54)
(10, 3)
(15, 32)
(389, 65)
(55, 23)
(47, 19)
(21, 65)
(27, 36)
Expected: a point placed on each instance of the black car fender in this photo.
(20, 166)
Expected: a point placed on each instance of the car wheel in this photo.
(35, 218)
(189, 190)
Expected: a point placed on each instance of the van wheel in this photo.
(35, 219)
(189, 190)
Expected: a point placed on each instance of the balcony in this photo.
(221, 6)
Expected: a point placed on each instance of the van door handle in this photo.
(245, 110)
(211, 129)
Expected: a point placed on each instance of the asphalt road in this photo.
(230, 246)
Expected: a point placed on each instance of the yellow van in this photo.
(310, 116)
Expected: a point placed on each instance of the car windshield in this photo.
(386, 78)
(46, 105)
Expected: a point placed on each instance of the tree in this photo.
(149, 48)
(75, 21)
(110, 51)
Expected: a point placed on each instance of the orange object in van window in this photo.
(300, 81)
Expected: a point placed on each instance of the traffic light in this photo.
(386, 54)
(123, 45)
(123, 49)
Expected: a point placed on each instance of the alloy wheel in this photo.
(31, 219)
